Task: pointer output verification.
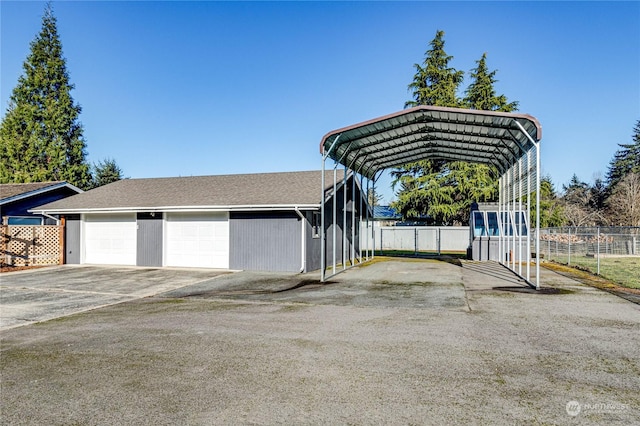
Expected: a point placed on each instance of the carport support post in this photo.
(323, 237)
(505, 219)
(353, 219)
(344, 219)
(513, 217)
(528, 215)
(323, 242)
(360, 222)
(373, 222)
(537, 145)
(520, 216)
(366, 234)
(499, 213)
(500, 219)
(335, 214)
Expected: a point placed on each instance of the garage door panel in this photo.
(197, 240)
(110, 239)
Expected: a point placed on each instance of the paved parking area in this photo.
(42, 294)
(393, 342)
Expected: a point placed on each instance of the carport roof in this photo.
(428, 132)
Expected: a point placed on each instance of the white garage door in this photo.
(110, 239)
(197, 239)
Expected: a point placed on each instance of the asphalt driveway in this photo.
(43, 294)
(392, 342)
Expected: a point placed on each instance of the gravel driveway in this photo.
(395, 342)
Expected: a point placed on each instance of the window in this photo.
(492, 223)
(520, 220)
(478, 224)
(24, 220)
(506, 224)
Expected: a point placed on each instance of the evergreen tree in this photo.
(599, 193)
(577, 191)
(481, 94)
(445, 190)
(625, 160)
(435, 83)
(105, 172)
(40, 136)
(578, 204)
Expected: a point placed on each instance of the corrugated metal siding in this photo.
(72, 240)
(265, 241)
(149, 242)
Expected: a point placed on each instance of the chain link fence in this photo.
(613, 252)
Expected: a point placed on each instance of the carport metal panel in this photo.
(508, 141)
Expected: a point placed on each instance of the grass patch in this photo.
(624, 271)
(169, 301)
(631, 294)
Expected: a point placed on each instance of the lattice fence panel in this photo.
(25, 245)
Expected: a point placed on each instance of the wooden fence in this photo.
(31, 245)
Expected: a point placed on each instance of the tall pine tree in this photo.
(435, 83)
(481, 94)
(106, 172)
(40, 136)
(625, 160)
(445, 190)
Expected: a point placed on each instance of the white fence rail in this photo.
(430, 239)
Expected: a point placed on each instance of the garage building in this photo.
(265, 222)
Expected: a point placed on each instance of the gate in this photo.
(32, 245)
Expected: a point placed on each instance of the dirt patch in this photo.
(10, 268)
(529, 290)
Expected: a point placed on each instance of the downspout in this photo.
(303, 242)
(52, 218)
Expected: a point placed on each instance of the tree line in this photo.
(442, 191)
(610, 201)
(41, 137)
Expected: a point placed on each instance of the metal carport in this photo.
(508, 141)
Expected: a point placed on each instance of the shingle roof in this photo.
(264, 189)
(12, 192)
(9, 190)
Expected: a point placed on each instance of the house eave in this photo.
(181, 209)
(40, 191)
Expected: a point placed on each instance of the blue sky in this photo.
(197, 88)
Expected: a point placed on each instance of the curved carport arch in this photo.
(508, 141)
